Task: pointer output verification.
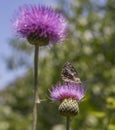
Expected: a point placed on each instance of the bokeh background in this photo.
(90, 47)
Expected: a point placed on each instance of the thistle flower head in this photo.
(40, 24)
(69, 94)
(70, 90)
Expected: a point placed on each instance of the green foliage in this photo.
(89, 47)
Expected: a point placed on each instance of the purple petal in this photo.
(69, 90)
(43, 21)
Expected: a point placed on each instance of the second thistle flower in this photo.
(69, 95)
(40, 25)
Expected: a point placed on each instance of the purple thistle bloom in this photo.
(40, 23)
(70, 90)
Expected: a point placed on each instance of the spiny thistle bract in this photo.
(69, 95)
(40, 25)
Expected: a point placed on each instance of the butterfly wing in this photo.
(69, 73)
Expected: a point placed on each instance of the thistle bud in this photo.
(69, 107)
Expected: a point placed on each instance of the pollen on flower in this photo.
(40, 25)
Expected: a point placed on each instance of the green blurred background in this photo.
(90, 47)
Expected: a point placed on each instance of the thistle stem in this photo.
(67, 122)
(36, 97)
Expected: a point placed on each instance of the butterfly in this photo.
(70, 74)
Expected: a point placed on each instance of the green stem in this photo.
(67, 122)
(36, 97)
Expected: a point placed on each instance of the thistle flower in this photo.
(40, 25)
(69, 95)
